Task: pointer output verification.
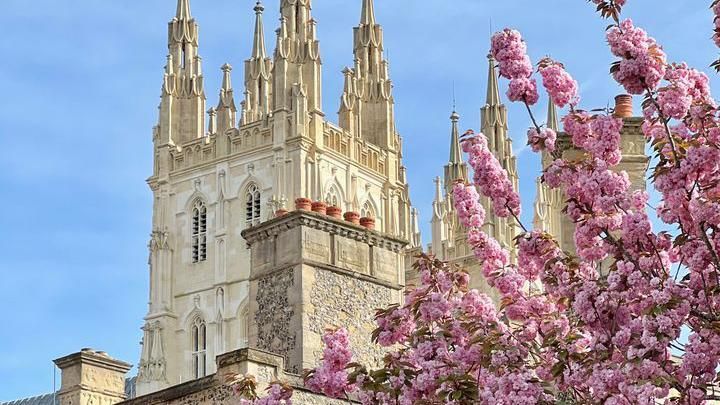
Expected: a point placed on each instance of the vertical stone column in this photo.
(310, 272)
(91, 377)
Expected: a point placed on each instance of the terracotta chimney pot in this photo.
(623, 106)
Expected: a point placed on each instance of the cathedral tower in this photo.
(211, 182)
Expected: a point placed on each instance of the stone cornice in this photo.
(98, 359)
(324, 223)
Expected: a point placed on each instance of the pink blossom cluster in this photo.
(331, 377)
(563, 89)
(490, 177)
(442, 360)
(599, 135)
(642, 61)
(510, 51)
(599, 325)
(543, 140)
(686, 88)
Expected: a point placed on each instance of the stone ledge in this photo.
(174, 392)
(252, 355)
(325, 223)
(93, 358)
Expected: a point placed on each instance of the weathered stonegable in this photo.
(310, 272)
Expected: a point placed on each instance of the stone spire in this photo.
(297, 45)
(258, 51)
(349, 103)
(493, 89)
(494, 113)
(416, 237)
(552, 117)
(257, 75)
(226, 110)
(374, 87)
(183, 10)
(183, 96)
(367, 16)
(455, 169)
(438, 222)
(494, 125)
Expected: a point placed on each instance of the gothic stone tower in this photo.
(216, 176)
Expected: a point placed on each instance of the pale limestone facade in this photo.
(219, 174)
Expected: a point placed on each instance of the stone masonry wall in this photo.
(342, 301)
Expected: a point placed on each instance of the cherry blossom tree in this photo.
(631, 317)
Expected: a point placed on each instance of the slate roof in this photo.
(50, 399)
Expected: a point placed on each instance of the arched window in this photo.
(367, 210)
(332, 197)
(199, 232)
(252, 205)
(199, 348)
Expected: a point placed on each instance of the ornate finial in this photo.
(454, 117)
(226, 68)
(259, 8)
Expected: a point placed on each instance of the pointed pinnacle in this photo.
(455, 150)
(183, 10)
(438, 189)
(552, 117)
(227, 80)
(170, 67)
(493, 89)
(258, 51)
(367, 16)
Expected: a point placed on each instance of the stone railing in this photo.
(357, 150)
(207, 148)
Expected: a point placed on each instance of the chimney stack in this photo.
(91, 377)
(623, 106)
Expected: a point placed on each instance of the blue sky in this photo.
(80, 81)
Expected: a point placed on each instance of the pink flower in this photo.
(523, 89)
(563, 89)
(508, 48)
(331, 377)
(642, 60)
(492, 180)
